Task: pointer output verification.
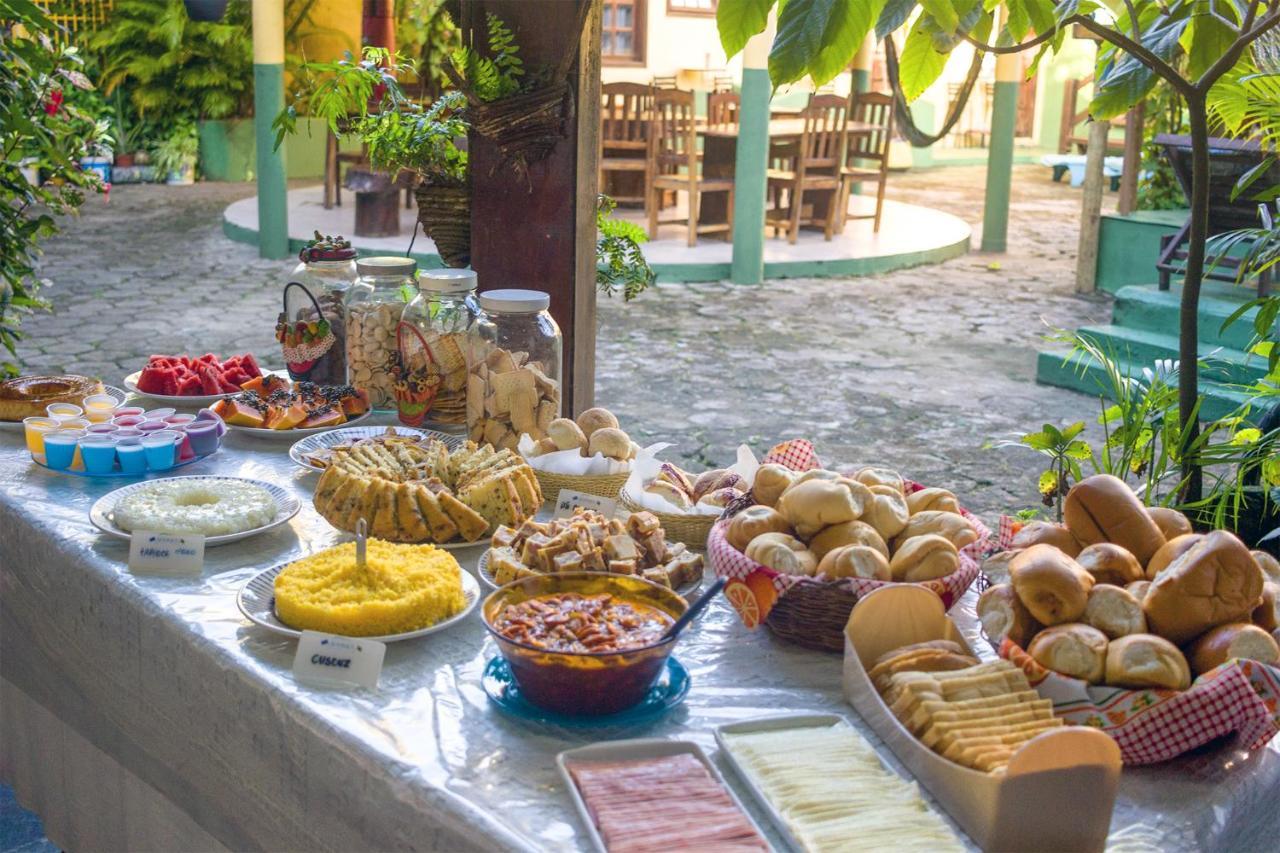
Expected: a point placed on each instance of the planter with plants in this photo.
(175, 156)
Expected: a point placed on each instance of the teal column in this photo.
(861, 80)
(749, 177)
(268, 100)
(995, 209)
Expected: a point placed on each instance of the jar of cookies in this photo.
(435, 337)
(374, 305)
(513, 385)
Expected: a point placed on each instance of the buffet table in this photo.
(154, 695)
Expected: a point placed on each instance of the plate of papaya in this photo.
(273, 407)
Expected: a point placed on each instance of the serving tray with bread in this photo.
(803, 545)
(1130, 622)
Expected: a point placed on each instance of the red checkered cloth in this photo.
(1151, 726)
(753, 589)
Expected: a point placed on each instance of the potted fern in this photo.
(175, 155)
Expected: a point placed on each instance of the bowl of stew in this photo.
(583, 643)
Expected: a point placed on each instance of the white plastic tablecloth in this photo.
(167, 678)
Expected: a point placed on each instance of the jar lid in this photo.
(447, 281)
(514, 301)
(386, 265)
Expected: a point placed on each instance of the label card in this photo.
(163, 554)
(330, 661)
(568, 499)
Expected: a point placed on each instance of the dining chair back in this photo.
(663, 82)
(824, 135)
(722, 84)
(722, 109)
(625, 113)
(867, 152)
(674, 141)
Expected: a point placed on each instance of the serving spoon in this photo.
(694, 610)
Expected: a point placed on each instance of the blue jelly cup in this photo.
(60, 449)
(99, 454)
(133, 458)
(161, 449)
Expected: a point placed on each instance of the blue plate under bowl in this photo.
(667, 692)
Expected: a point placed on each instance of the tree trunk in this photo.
(1188, 349)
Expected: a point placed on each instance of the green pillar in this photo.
(268, 100)
(749, 178)
(995, 210)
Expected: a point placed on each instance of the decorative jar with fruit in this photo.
(312, 327)
(373, 306)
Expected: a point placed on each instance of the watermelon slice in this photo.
(190, 386)
(209, 381)
(151, 380)
(250, 365)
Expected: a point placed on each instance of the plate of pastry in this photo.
(315, 451)
(222, 509)
(402, 592)
(27, 396)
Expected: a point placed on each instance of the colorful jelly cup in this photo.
(133, 458)
(130, 412)
(100, 407)
(211, 415)
(152, 426)
(203, 437)
(36, 429)
(128, 435)
(63, 411)
(159, 414)
(60, 449)
(128, 420)
(101, 429)
(99, 454)
(179, 420)
(74, 423)
(160, 449)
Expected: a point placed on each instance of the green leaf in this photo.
(892, 16)
(1078, 449)
(1048, 484)
(943, 13)
(1209, 38)
(739, 20)
(1037, 441)
(846, 28)
(920, 65)
(1073, 430)
(1019, 20)
(1041, 15)
(817, 37)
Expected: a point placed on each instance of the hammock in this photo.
(902, 112)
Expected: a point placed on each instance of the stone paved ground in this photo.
(917, 368)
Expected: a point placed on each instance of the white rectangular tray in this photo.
(630, 750)
(801, 721)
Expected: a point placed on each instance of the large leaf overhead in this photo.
(739, 20)
(818, 38)
(921, 63)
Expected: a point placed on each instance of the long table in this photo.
(147, 713)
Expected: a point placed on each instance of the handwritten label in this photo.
(330, 661)
(163, 554)
(568, 499)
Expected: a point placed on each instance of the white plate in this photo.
(189, 401)
(259, 432)
(488, 579)
(342, 434)
(287, 507)
(631, 750)
(119, 393)
(257, 601)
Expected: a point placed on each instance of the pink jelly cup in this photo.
(128, 420)
(128, 435)
(179, 420)
(159, 414)
(153, 426)
(129, 411)
(101, 429)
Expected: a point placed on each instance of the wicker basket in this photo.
(445, 214)
(813, 615)
(603, 485)
(692, 530)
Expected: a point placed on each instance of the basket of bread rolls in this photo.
(589, 454)
(806, 542)
(686, 503)
(1133, 623)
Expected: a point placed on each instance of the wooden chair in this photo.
(816, 170)
(722, 84)
(723, 109)
(625, 113)
(673, 146)
(867, 148)
(663, 82)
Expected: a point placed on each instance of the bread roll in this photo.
(566, 434)
(1138, 589)
(1171, 522)
(1003, 614)
(594, 419)
(996, 567)
(938, 500)
(873, 476)
(847, 533)
(1079, 651)
(818, 474)
(923, 558)
(1145, 660)
(1114, 611)
(670, 492)
(814, 504)
(1227, 642)
(610, 442)
(955, 528)
(1102, 508)
(1109, 563)
(705, 482)
(1270, 565)
(1265, 615)
(1052, 585)
(887, 512)
(545, 445)
(1213, 582)
(782, 553)
(753, 521)
(770, 482)
(1046, 533)
(855, 561)
(1170, 551)
(720, 498)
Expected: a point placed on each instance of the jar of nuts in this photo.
(513, 384)
(373, 308)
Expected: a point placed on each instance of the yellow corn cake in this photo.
(401, 588)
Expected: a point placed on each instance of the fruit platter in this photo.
(272, 406)
(187, 381)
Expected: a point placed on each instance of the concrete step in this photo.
(1143, 348)
(1149, 308)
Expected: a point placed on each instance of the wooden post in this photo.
(1091, 208)
(540, 235)
(1132, 158)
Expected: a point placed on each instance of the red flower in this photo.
(55, 101)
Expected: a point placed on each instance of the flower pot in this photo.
(445, 214)
(123, 161)
(205, 10)
(183, 176)
(100, 165)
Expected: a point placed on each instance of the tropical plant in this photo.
(173, 67)
(620, 263)
(1260, 254)
(177, 150)
(498, 75)
(425, 32)
(1158, 187)
(36, 125)
(1142, 44)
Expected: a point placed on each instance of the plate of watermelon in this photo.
(181, 380)
(271, 406)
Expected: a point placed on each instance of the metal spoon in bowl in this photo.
(694, 610)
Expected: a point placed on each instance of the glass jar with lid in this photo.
(373, 308)
(514, 382)
(434, 339)
(311, 327)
